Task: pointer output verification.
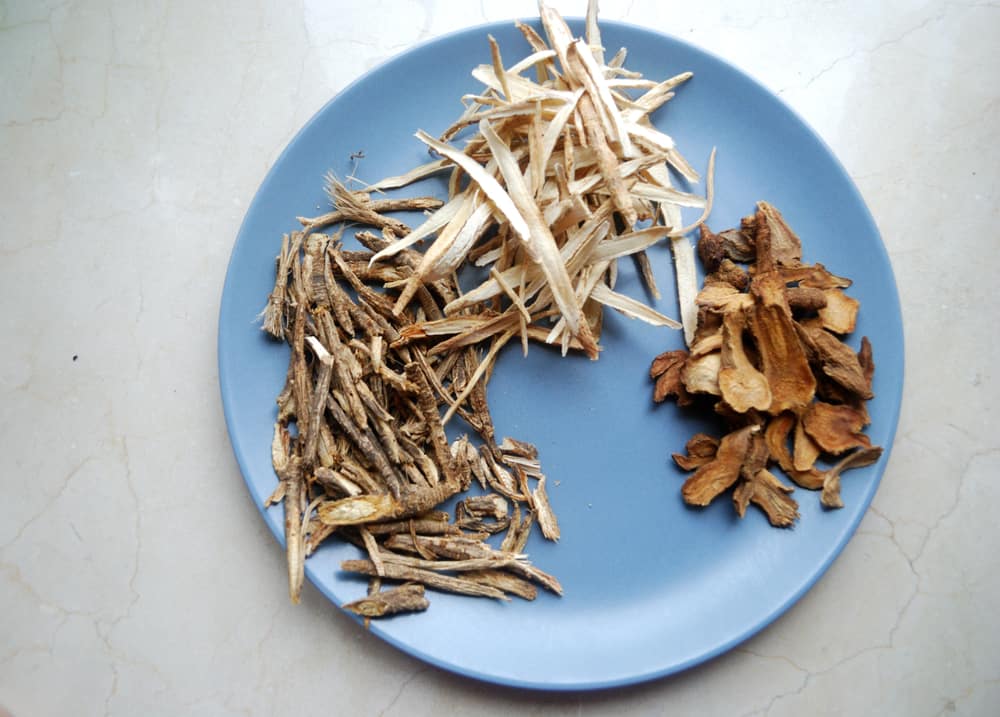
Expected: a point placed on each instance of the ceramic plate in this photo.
(651, 586)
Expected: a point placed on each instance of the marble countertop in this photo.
(136, 577)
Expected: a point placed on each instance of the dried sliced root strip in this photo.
(546, 518)
(504, 582)
(431, 579)
(632, 308)
(414, 175)
(402, 599)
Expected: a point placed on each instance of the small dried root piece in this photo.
(405, 598)
(766, 345)
(830, 496)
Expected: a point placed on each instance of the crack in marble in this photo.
(951, 703)
(113, 691)
(402, 688)
(956, 500)
(866, 51)
(48, 649)
(48, 502)
(16, 576)
(19, 25)
(778, 658)
(266, 635)
(104, 630)
(918, 590)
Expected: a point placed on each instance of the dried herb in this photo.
(769, 359)
(359, 446)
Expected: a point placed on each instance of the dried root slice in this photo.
(505, 582)
(742, 386)
(720, 473)
(831, 478)
(701, 449)
(405, 598)
(666, 370)
(835, 429)
(773, 497)
(767, 346)
(431, 579)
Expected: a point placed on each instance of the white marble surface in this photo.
(135, 576)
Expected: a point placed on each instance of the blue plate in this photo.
(651, 586)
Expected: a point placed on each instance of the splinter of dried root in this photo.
(405, 598)
(421, 525)
(429, 578)
(546, 518)
(379, 206)
(503, 581)
(294, 546)
(274, 313)
(454, 566)
(358, 510)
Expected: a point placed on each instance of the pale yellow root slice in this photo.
(684, 263)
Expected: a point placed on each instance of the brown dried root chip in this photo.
(722, 471)
(701, 449)
(666, 369)
(835, 428)
(774, 498)
(405, 598)
(742, 386)
(831, 478)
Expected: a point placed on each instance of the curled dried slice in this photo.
(722, 471)
(840, 312)
(774, 498)
(700, 374)
(831, 478)
(666, 369)
(701, 448)
(835, 428)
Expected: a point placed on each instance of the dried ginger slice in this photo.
(721, 472)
